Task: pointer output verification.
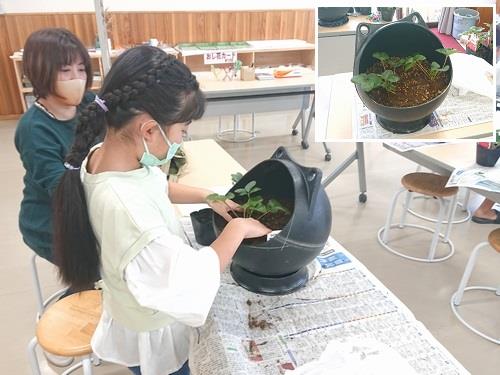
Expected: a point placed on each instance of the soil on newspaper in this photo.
(413, 88)
(254, 322)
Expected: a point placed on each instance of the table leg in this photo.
(358, 155)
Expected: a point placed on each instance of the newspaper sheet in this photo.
(456, 111)
(247, 333)
(475, 176)
(403, 146)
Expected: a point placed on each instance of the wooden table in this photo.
(208, 164)
(238, 97)
(444, 158)
(334, 113)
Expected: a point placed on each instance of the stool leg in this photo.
(451, 213)
(35, 367)
(390, 215)
(405, 208)
(435, 237)
(466, 199)
(87, 366)
(467, 273)
(36, 282)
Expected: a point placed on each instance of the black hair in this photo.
(45, 52)
(143, 79)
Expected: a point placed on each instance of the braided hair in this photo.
(143, 79)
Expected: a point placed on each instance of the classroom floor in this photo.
(424, 288)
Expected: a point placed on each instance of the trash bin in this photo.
(463, 20)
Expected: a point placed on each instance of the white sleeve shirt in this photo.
(169, 276)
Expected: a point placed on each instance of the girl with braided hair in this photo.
(114, 215)
(58, 67)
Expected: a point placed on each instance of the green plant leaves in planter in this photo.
(367, 82)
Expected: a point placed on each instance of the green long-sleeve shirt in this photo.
(42, 143)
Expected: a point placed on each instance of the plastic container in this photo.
(399, 38)
(487, 157)
(279, 265)
(463, 20)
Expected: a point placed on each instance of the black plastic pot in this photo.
(387, 13)
(278, 266)
(487, 157)
(399, 38)
(365, 11)
(332, 16)
(203, 226)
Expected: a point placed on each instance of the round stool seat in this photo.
(428, 184)
(67, 326)
(494, 239)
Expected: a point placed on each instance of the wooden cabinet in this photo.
(260, 53)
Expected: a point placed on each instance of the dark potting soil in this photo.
(413, 88)
(274, 221)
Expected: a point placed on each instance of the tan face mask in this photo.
(72, 90)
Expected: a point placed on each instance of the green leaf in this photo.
(235, 177)
(254, 190)
(390, 76)
(240, 191)
(250, 185)
(419, 57)
(446, 51)
(382, 56)
(435, 66)
(367, 82)
(216, 197)
(229, 196)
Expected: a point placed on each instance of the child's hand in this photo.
(254, 228)
(223, 208)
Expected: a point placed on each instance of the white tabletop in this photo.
(215, 88)
(335, 96)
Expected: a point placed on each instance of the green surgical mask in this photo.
(150, 160)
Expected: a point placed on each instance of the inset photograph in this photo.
(403, 72)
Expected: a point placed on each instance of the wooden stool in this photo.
(463, 205)
(431, 185)
(66, 328)
(456, 299)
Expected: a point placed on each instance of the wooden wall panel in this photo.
(9, 97)
(131, 28)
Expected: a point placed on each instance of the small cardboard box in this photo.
(247, 73)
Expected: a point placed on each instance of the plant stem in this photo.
(424, 70)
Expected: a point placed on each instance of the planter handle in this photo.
(311, 176)
(365, 30)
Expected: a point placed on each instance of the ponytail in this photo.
(75, 246)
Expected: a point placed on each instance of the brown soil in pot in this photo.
(413, 87)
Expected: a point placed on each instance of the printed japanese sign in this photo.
(220, 57)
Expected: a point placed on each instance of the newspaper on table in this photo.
(248, 333)
(456, 111)
(475, 176)
(403, 146)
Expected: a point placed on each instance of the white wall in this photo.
(49, 6)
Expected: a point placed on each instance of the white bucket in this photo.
(463, 20)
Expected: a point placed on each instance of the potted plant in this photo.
(387, 13)
(479, 42)
(401, 72)
(284, 196)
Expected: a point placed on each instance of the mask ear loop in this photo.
(146, 148)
